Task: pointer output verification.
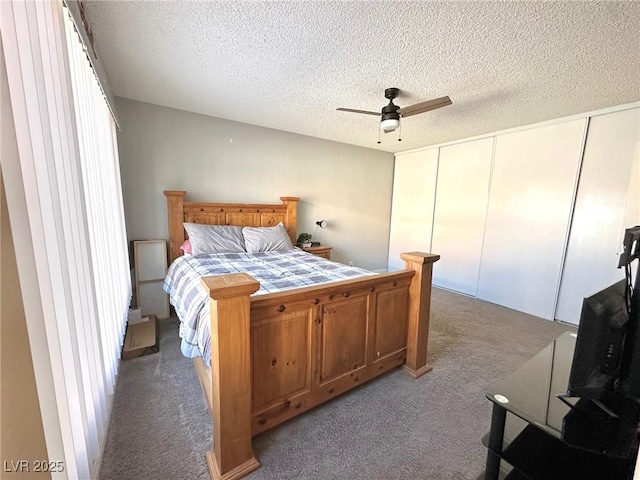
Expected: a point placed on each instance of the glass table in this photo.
(540, 436)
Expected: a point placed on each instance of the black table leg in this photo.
(496, 437)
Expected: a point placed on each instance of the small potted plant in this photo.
(304, 240)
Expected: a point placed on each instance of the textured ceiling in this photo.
(289, 65)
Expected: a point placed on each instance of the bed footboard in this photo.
(275, 356)
(419, 311)
(229, 398)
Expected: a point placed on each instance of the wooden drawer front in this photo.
(281, 353)
(343, 338)
(243, 219)
(391, 322)
(324, 252)
(205, 218)
(271, 219)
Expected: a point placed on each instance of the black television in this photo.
(628, 382)
(599, 346)
(607, 352)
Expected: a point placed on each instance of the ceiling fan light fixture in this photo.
(390, 119)
(390, 124)
(391, 113)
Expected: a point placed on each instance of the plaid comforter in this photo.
(276, 271)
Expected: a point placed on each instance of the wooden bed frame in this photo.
(277, 355)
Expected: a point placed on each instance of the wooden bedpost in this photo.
(175, 203)
(291, 217)
(419, 311)
(232, 456)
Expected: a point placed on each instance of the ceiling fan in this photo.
(390, 114)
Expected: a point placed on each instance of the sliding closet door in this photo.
(414, 186)
(532, 190)
(461, 208)
(599, 217)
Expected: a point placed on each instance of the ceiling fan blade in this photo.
(425, 106)
(366, 112)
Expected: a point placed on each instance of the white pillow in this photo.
(214, 238)
(266, 239)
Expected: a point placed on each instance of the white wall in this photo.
(218, 160)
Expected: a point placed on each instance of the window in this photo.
(65, 204)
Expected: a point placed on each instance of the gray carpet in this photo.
(393, 427)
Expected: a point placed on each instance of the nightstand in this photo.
(321, 251)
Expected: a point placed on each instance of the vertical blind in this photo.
(73, 243)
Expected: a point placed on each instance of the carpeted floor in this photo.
(394, 427)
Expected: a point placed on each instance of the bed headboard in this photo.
(240, 214)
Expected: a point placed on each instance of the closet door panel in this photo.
(531, 196)
(462, 195)
(414, 185)
(606, 185)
